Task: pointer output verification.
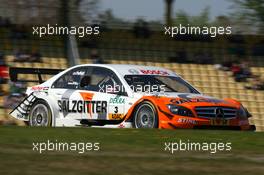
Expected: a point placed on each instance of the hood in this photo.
(193, 100)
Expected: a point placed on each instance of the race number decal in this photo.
(116, 107)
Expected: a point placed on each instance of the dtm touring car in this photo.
(123, 96)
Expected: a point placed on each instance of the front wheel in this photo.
(145, 116)
(40, 114)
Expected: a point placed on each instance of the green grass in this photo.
(128, 151)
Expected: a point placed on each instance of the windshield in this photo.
(158, 83)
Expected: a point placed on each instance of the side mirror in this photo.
(85, 81)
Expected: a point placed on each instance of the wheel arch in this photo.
(130, 113)
(51, 103)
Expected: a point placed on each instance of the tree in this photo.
(168, 11)
(222, 20)
(253, 9)
(88, 10)
(200, 20)
(250, 11)
(108, 17)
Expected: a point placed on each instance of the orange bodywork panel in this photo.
(168, 120)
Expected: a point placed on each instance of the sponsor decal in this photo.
(186, 98)
(121, 125)
(20, 116)
(39, 88)
(117, 100)
(75, 83)
(78, 73)
(82, 106)
(186, 120)
(154, 72)
(114, 116)
(88, 97)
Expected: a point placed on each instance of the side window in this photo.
(71, 79)
(102, 80)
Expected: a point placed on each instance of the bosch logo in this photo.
(154, 72)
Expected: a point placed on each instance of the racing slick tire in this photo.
(40, 114)
(145, 116)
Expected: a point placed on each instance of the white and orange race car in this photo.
(123, 96)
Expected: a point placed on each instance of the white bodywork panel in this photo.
(70, 106)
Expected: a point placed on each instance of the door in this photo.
(66, 92)
(106, 93)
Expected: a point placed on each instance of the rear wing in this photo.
(15, 71)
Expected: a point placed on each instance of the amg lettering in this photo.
(80, 106)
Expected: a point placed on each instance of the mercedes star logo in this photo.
(219, 113)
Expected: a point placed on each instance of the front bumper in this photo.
(202, 123)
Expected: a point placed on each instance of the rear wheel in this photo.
(145, 116)
(40, 114)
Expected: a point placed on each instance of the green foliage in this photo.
(88, 9)
(110, 18)
(249, 13)
(253, 9)
(200, 20)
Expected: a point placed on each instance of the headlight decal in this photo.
(180, 110)
(170, 116)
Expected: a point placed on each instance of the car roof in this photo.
(128, 69)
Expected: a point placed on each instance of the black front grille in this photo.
(215, 111)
